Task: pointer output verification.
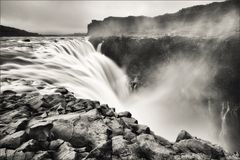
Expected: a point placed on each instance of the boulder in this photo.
(199, 146)
(33, 100)
(63, 129)
(3, 154)
(149, 148)
(62, 90)
(183, 135)
(162, 141)
(13, 140)
(55, 144)
(66, 152)
(120, 148)
(125, 114)
(40, 131)
(10, 154)
(41, 155)
(114, 124)
(89, 133)
(18, 125)
(129, 121)
(31, 145)
(20, 155)
(128, 134)
(139, 129)
(20, 112)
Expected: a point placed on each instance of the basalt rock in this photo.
(183, 135)
(90, 131)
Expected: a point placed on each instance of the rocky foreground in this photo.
(60, 126)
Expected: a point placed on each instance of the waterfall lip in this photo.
(74, 64)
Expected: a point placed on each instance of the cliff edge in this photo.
(215, 19)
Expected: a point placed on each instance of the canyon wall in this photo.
(214, 20)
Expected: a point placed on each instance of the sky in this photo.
(63, 17)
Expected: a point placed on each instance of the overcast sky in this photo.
(74, 16)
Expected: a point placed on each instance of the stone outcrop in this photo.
(88, 130)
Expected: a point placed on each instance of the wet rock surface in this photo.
(34, 128)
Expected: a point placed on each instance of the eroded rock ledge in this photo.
(60, 126)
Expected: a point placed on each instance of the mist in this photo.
(177, 98)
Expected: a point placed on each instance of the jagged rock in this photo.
(66, 152)
(20, 124)
(151, 149)
(183, 135)
(199, 146)
(89, 133)
(52, 100)
(125, 114)
(162, 141)
(76, 106)
(41, 155)
(3, 154)
(192, 156)
(95, 132)
(31, 145)
(128, 134)
(63, 129)
(139, 129)
(55, 144)
(20, 155)
(13, 140)
(62, 90)
(20, 112)
(10, 154)
(93, 115)
(114, 125)
(44, 115)
(34, 100)
(106, 111)
(119, 147)
(69, 97)
(40, 131)
(129, 121)
(60, 107)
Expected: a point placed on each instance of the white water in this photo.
(171, 104)
(75, 65)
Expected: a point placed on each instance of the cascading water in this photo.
(75, 65)
(99, 47)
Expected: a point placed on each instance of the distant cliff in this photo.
(9, 31)
(219, 18)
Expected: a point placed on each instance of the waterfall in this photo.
(172, 103)
(76, 65)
